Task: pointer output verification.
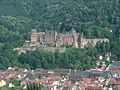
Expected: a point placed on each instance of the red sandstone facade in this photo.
(54, 39)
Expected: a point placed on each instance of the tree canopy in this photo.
(95, 18)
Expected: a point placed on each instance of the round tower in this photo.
(81, 40)
(74, 34)
(34, 36)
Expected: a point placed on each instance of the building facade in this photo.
(55, 39)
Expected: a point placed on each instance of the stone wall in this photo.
(54, 41)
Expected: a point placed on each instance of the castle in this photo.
(54, 41)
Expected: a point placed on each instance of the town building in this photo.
(63, 79)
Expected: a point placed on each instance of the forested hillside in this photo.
(95, 18)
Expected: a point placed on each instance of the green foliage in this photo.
(13, 88)
(15, 82)
(72, 58)
(33, 86)
(95, 18)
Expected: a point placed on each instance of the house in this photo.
(2, 82)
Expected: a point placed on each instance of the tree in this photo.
(33, 86)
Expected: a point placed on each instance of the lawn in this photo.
(5, 88)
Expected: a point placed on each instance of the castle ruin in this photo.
(54, 41)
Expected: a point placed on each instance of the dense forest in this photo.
(95, 18)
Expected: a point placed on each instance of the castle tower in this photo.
(81, 40)
(74, 34)
(34, 38)
(56, 34)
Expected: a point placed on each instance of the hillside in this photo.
(92, 17)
